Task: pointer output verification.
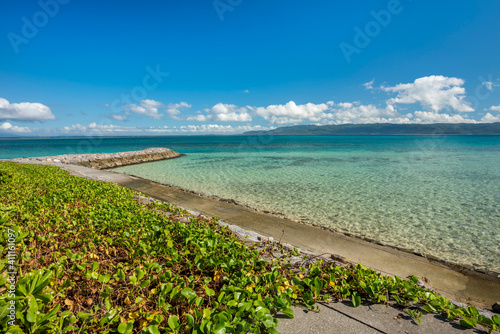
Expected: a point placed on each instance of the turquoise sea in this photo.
(435, 195)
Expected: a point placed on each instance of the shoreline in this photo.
(460, 284)
(452, 265)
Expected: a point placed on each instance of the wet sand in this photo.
(459, 284)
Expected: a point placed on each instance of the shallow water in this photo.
(428, 194)
(432, 195)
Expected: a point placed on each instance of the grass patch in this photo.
(91, 259)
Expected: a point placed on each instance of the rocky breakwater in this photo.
(107, 160)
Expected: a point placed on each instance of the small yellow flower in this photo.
(133, 315)
(332, 284)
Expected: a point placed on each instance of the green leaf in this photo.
(209, 292)
(473, 311)
(82, 316)
(152, 329)
(356, 299)
(289, 313)
(173, 322)
(15, 330)
(125, 327)
(190, 320)
(121, 274)
(188, 293)
(4, 309)
(140, 273)
(144, 284)
(429, 308)
(467, 322)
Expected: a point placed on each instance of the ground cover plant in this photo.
(90, 258)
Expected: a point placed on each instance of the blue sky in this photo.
(72, 67)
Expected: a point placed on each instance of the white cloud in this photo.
(208, 128)
(6, 127)
(24, 111)
(175, 108)
(109, 129)
(495, 108)
(246, 91)
(199, 118)
(291, 113)
(432, 117)
(119, 117)
(489, 118)
(436, 92)
(488, 85)
(147, 108)
(346, 112)
(223, 113)
(94, 129)
(369, 84)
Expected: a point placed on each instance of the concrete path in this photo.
(342, 318)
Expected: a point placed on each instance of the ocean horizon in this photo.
(432, 195)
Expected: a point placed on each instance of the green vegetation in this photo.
(385, 129)
(92, 259)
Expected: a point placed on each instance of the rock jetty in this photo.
(106, 160)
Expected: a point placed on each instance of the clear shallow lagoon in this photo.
(434, 195)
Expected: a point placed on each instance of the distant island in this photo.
(385, 129)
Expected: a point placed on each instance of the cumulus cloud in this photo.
(175, 108)
(147, 108)
(347, 112)
(432, 117)
(495, 108)
(435, 92)
(291, 113)
(6, 127)
(489, 118)
(223, 113)
(24, 111)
